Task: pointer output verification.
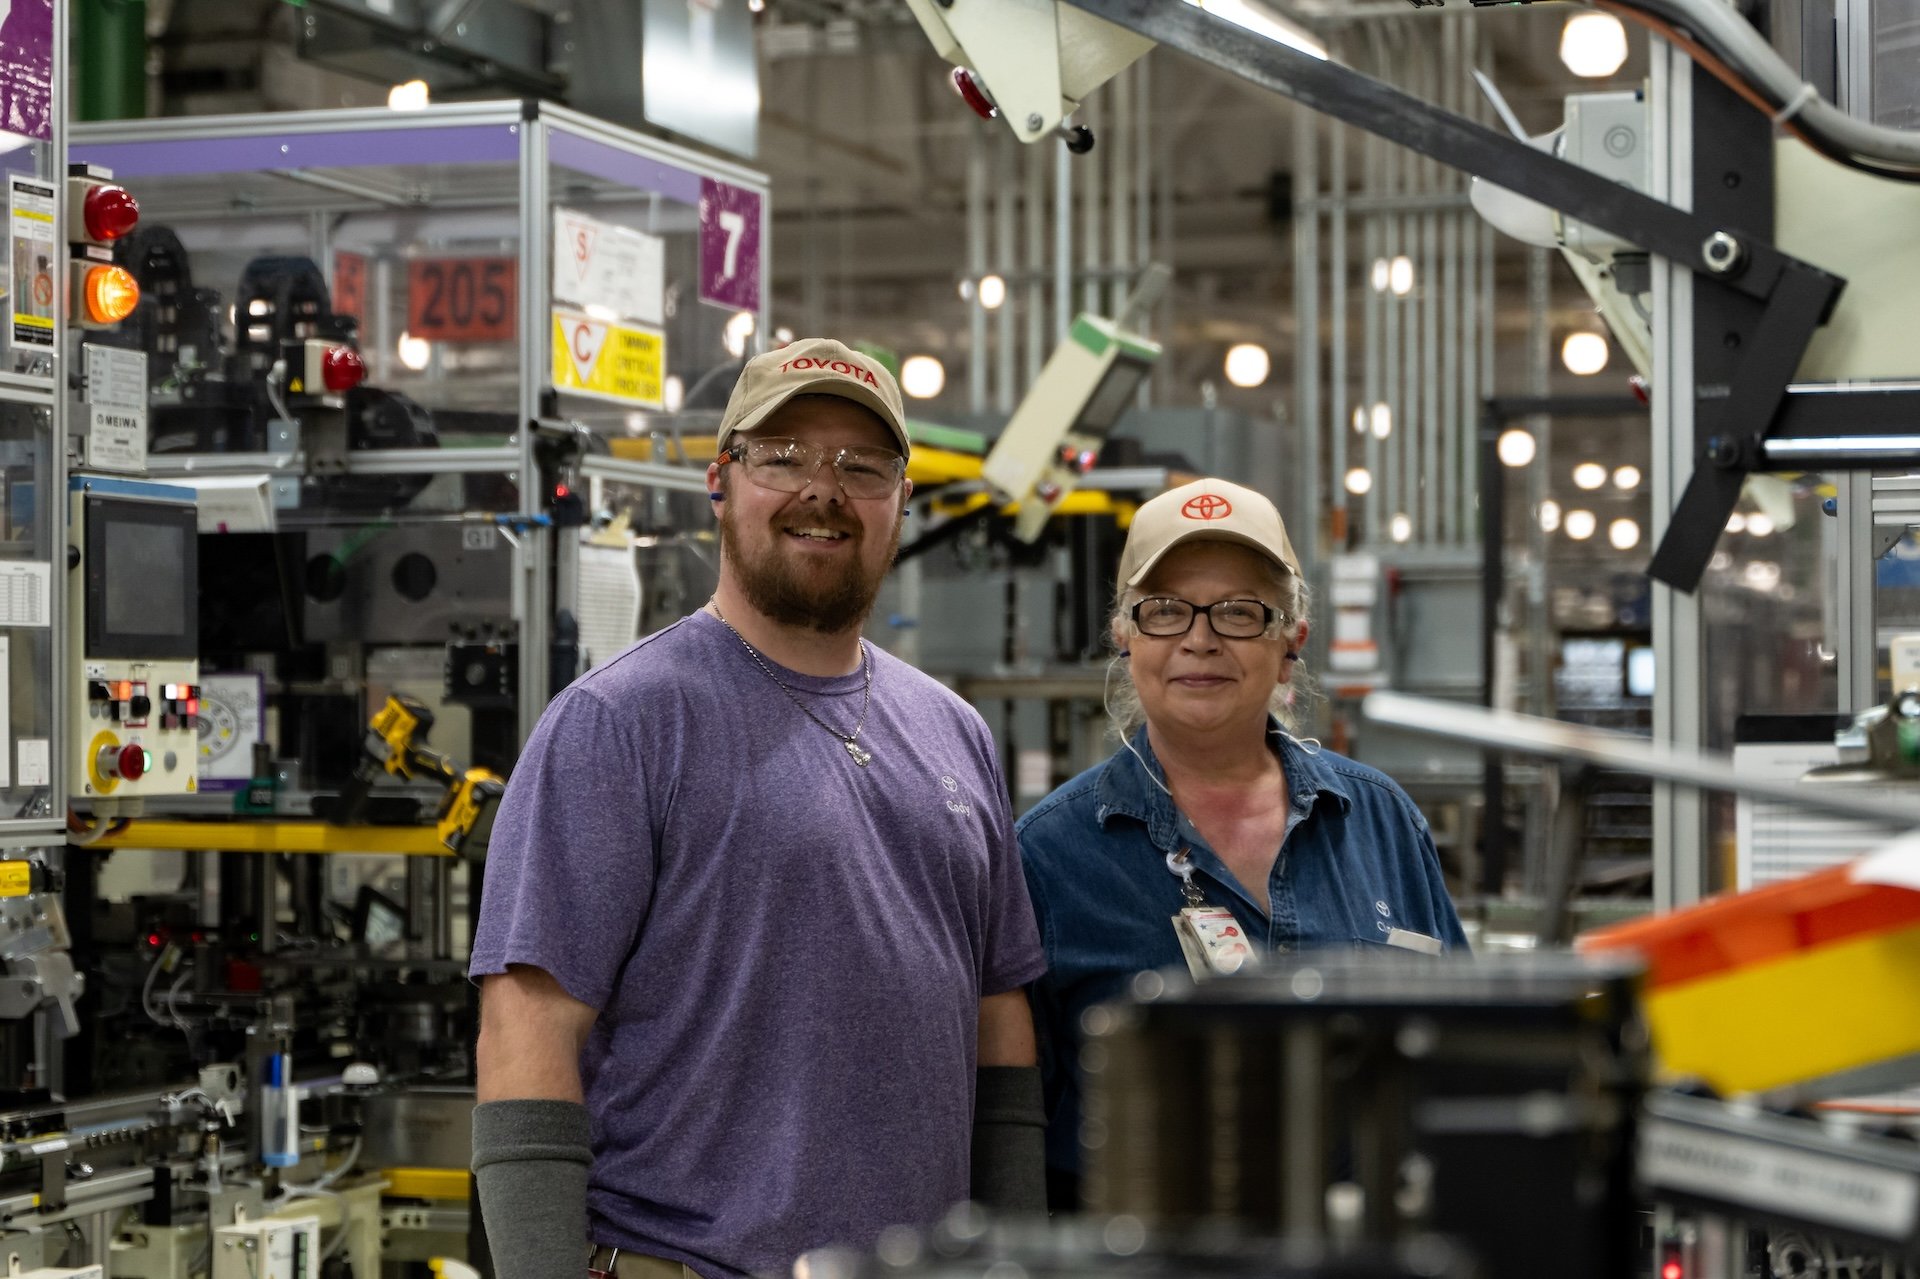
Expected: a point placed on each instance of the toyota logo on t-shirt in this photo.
(1207, 506)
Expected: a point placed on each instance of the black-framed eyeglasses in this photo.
(787, 465)
(1166, 615)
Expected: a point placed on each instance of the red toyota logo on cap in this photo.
(1207, 506)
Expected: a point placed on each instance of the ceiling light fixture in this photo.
(1359, 481)
(1584, 353)
(739, 329)
(413, 95)
(1580, 525)
(1593, 45)
(993, 291)
(415, 353)
(923, 377)
(1516, 446)
(1400, 276)
(1248, 364)
(1589, 475)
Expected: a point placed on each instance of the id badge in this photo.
(1213, 942)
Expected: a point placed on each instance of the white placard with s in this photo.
(600, 265)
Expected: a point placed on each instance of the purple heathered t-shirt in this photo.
(787, 950)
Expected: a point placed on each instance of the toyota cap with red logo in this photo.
(813, 366)
(1201, 511)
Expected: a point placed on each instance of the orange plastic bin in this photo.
(1782, 985)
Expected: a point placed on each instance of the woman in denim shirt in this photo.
(1211, 811)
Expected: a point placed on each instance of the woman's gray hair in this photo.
(1125, 714)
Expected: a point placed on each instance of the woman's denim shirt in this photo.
(1356, 861)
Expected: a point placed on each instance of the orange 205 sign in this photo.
(462, 299)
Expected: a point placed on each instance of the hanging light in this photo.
(1382, 275)
(1584, 353)
(922, 377)
(1400, 527)
(1382, 419)
(1248, 364)
(1624, 534)
(1589, 475)
(1626, 477)
(1581, 524)
(1516, 446)
(1760, 524)
(1359, 481)
(1593, 45)
(1549, 516)
(993, 291)
(1359, 419)
(1736, 523)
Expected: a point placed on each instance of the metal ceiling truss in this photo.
(1753, 419)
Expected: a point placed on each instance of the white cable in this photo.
(276, 378)
(1730, 36)
(146, 991)
(1800, 100)
(173, 997)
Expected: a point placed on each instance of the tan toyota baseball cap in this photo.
(1205, 510)
(813, 366)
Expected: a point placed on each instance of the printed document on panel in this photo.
(609, 599)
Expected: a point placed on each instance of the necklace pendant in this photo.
(860, 757)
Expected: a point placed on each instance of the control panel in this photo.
(134, 605)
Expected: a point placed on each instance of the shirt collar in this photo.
(1127, 789)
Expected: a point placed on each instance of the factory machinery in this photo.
(232, 1009)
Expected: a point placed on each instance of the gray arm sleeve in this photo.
(530, 1160)
(1009, 1140)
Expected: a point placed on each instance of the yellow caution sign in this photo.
(16, 879)
(609, 360)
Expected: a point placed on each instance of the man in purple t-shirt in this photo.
(754, 934)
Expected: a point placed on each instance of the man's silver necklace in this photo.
(849, 740)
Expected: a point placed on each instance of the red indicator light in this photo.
(342, 369)
(153, 940)
(1673, 1270)
(968, 86)
(109, 212)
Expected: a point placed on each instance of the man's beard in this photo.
(787, 598)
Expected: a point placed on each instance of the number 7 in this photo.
(734, 223)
